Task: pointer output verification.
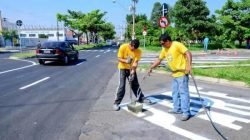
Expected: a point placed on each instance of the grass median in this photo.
(235, 73)
(26, 54)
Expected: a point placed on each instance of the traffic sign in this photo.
(165, 9)
(144, 33)
(19, 23)
(163, 22)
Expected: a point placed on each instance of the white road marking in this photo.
(107, 51)
(79, 64)
(33, 64)
(97, 56)
(225, 120)
(236, 112)
(166, 121)
(34, 83)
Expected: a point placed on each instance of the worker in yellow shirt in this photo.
(179, 60)
(128, 57)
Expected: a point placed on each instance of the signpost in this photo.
(19, 23)
(163, 22)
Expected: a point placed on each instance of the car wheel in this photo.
(66, 60)
(42, 62)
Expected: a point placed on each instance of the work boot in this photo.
(116, 107)
(171, 111)
(185, 117)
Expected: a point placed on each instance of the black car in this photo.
(60, 51)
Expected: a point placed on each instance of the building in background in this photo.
(31, 35)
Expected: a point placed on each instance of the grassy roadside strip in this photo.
(89, 46)
(23, 55)
(230, 73)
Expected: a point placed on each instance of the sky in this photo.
(43, 12)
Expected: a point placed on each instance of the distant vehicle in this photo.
(60, 51)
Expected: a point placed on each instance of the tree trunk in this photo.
(87, 37)
(240, 43)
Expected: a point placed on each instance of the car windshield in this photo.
(52, 45)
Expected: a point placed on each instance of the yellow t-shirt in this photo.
(175, 56)
(124, 52)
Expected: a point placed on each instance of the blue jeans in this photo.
(180, 95)
(205, 47)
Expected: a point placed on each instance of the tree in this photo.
(140, 20)
(191, 17)
(235, 20)
(9, 35)
(84, 23)
(75, 21)
(107, 31)
(156, 14)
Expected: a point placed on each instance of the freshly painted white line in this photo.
(225, 120)
(33, 64)
(97, 56)
(158, 116)
(165, 120)
(32, 84)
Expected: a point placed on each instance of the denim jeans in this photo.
(180, 95)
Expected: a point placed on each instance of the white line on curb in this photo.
(97, 56)
(32, 84)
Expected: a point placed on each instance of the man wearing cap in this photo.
(179, 60)
(128, 57)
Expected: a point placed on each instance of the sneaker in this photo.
(171, 111)
(184, 117)
(145, 100)
(116, 107)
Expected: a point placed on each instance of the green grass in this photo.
(231, 63)
(230, 73)
(89, 46)
(23, 55)
(151, 48)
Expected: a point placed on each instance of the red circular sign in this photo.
(163, 22)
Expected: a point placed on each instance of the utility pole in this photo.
(134, 10)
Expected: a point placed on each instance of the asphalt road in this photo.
(51, 102)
